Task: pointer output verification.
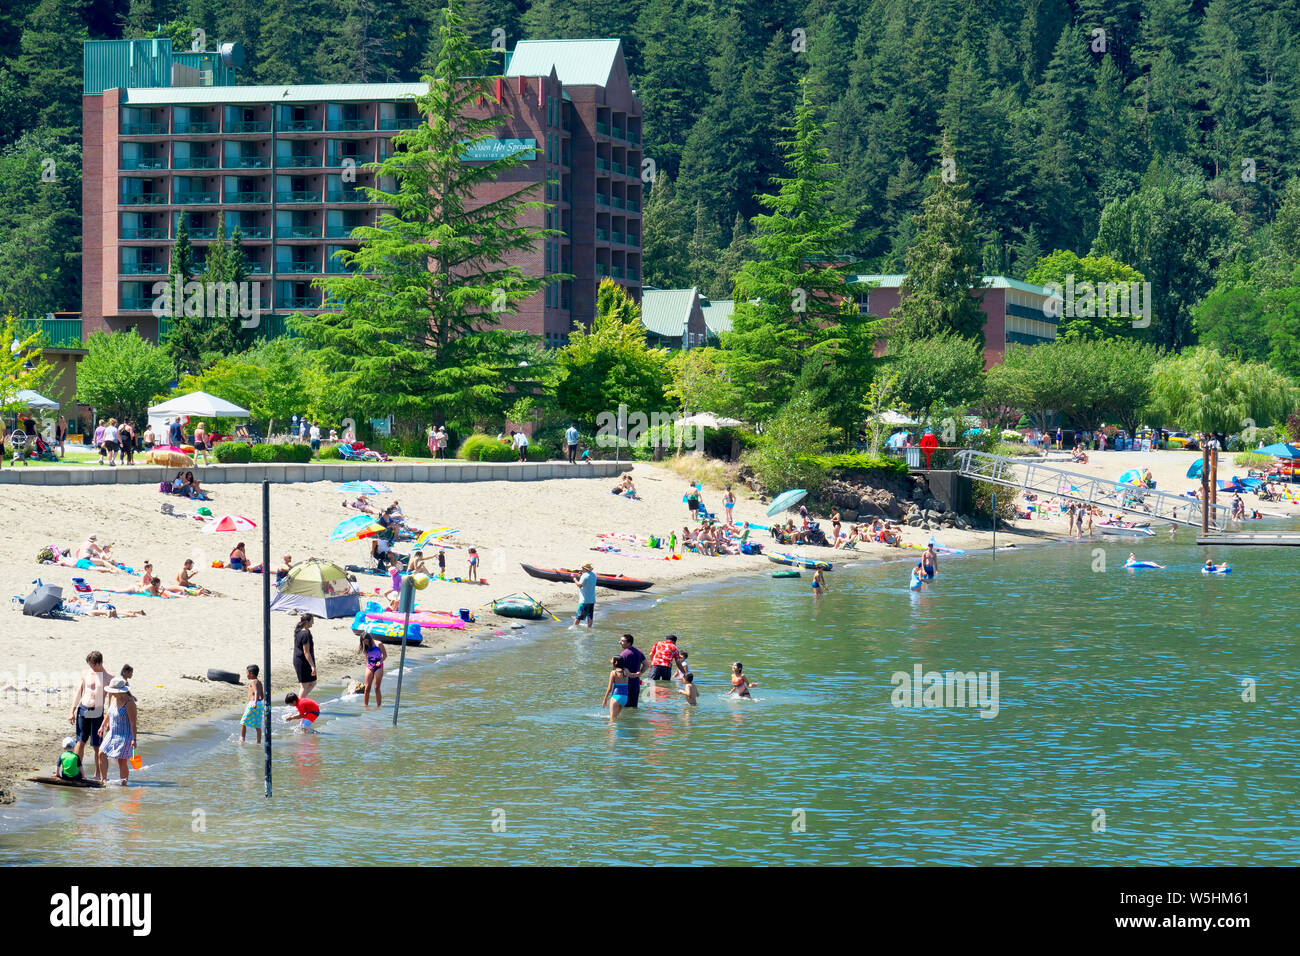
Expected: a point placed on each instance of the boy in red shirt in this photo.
(308, 709)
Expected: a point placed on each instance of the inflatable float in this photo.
(387, 632)
(1227, 570)
(787, 574)
(915, 583)
(798, 562)
(521, 607)
(1141, 564)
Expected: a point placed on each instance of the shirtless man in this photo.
(185, 577)
(930, 561)
(88, 711)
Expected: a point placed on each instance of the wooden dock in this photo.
(1269, 540)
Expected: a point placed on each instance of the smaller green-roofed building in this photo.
(717, 317)
(672, 318)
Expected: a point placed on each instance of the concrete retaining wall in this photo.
(325, 471)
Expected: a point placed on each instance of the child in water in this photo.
(308, 710)
(917, 577)
(740, 684)
(690, 691)
(69, 763)
(819, 583)
(253, 712)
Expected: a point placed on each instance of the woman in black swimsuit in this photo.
(304, 655)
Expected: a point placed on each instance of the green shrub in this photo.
(540, 451)
(485, 448)
(293, 454)
(1249, 460)
(233, 453)
(861, 461)
(263, 454)
(981, 502)
(330, 453)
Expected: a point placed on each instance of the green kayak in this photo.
(787, 574)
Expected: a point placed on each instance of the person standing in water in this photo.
(118, 728)
(740, 684)
(586, 596)
(254, 709)
(690, 691)
(819, 582)
(930, 561)
(304, 655)
(88, 712)
(375, 654)
(616, 689)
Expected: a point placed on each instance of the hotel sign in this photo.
(492, 149)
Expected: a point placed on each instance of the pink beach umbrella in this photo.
(230, 523)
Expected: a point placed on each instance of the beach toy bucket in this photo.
(135, 760)
(465, 615)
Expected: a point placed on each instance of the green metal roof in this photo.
(667, 311)
(717, 314)
(576, 62)
(322, 93)
(990, 282)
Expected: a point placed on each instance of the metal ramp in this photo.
(1059, 483)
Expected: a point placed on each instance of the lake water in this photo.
(1121, 735)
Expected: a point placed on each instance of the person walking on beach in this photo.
(118, 728)
(200, 443)
(88, 711)
(375, 654)
(586, 582)
(634, 663)
(304, 655)
(571, 443)
(616, 690)
(473, 565)
(729, 505)
(253, 710)
(692, 499)
(664, 657)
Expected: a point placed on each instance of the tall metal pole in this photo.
(1205, 490)
(995, 524)
(266, 628)
(407, 600)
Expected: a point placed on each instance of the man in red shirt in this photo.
(664, 656)
(308, 709)
(929, 443)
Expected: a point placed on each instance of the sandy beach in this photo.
(549, 523)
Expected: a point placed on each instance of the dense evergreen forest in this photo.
(1054, 110)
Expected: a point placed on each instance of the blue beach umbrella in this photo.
(364, 488)
(1133, 477)
(350, 529)
(1280, 450)
(786, 500)
(1195, 470)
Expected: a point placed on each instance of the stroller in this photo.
(816, 535)
(43, 450)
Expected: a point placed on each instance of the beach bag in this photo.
(165, 487)
(45, 554)
(652, 542)
(751, 548)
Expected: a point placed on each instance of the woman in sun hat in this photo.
(118, 728)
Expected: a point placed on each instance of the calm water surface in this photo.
(1119, 691)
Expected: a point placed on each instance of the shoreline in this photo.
(173, 640)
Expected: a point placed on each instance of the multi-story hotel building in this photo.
(169, 133)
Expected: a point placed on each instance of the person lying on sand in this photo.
(158, 589)
(90, 556)
(91, 608)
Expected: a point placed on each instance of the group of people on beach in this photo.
(103, 715)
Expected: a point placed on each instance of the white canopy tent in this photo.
(199, 405)
(707, 420)
(894, 418)
(37, 400)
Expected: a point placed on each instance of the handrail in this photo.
(1090, 489)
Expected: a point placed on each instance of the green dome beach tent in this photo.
(319, 588)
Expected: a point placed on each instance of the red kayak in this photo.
(615, 582)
